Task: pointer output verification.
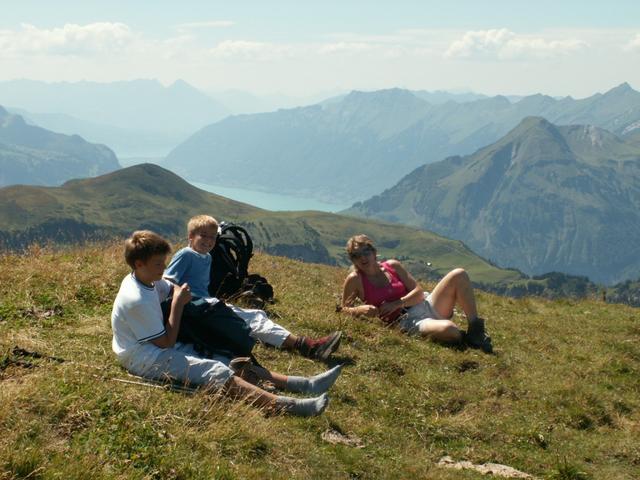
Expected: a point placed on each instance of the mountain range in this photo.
(241, 102)
(148, 196)
(354, 147)
(137, 117)
(543, 198)
(34, 156)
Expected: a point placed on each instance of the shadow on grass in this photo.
(339, 359)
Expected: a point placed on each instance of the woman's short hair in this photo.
(359, 241)
(142, 245)
(200, 222)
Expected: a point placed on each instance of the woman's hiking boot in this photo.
(319, 348)
(476, 336)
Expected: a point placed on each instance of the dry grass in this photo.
(558, 399)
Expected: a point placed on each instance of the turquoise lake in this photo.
(271, 201)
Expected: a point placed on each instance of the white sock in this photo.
(303, 407)
(317, 384)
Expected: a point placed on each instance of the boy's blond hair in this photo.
(142, 245)
(200, 222)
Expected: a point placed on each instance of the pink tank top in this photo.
(389, 293)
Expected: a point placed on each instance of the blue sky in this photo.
(303, 47)
(299, 18)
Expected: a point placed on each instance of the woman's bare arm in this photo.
(352, 291)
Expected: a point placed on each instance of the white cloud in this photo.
(266, 51)
(633, 45)
(504, 44)
(71, 39)
(344, 48)
(249, 50)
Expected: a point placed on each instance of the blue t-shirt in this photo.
(191, 267)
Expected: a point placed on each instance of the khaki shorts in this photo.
(410, 321)
(183, 364)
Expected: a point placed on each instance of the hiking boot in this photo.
(320, 348)
(239, 364)
(476, 336)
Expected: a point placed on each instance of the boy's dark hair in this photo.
(142, 245)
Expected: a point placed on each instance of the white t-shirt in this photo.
(136, 319)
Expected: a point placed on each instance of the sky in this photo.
(303, 48)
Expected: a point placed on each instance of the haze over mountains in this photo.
(34, 156)
(543, 198)
(352, 148)
(138, 117)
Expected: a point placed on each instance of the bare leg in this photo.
(289, 342)
(279, 380)
(316, 384)
(238, 388)
(455, 288)
(444, 331)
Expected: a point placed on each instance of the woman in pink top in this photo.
(389, 292)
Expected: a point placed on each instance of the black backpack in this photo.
(229, 276)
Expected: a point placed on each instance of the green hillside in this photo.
(543, 198)
(558, 400)
(148, 196)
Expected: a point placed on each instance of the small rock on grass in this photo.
(486, 468)
(334, 436)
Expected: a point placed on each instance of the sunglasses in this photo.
(363, 252)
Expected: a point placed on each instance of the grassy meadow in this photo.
(559, 399)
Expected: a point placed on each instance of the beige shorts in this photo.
(182, 364)
(411, 320)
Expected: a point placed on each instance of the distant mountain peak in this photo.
(622, 89)
(388, 93)
(539, 97)
(535, 120)
(498, 101)
(181, 84)
(394, 98)
(624, 86)
(529, 123)
(533, 140)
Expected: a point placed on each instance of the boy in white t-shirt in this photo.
(146, 346)
(192, 265)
